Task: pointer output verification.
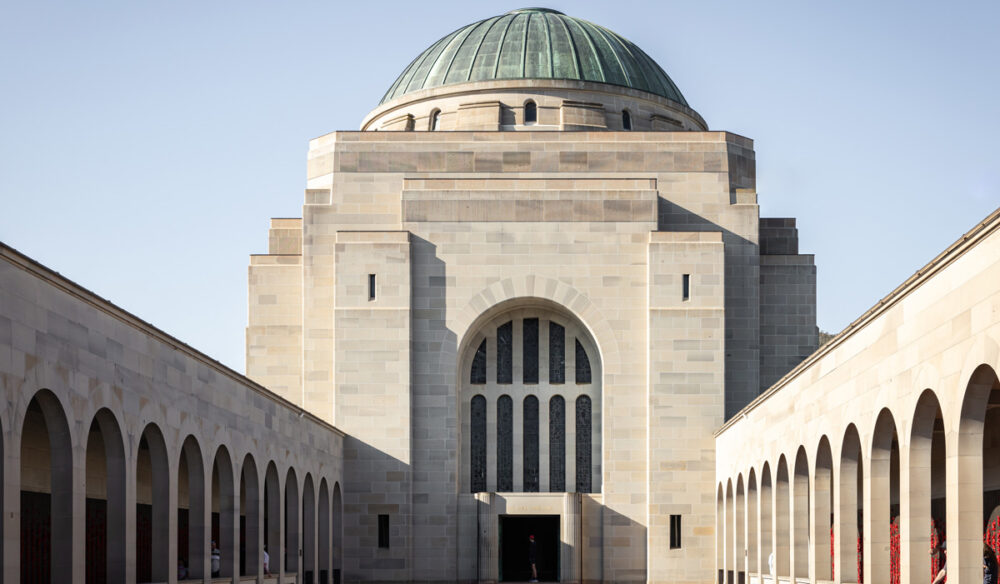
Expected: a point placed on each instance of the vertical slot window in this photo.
(557, 353)
(583, 444)
(557, 444)
(686, 287)
(530, 350)
(477, 376)
(383, 531)
(478, 438)
(371, 286)
(675, 532)
(505, 444)
(505, 353)
(530, 433)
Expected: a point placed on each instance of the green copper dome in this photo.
(534, 43)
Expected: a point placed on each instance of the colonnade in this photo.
(138, 503)
(870, 499)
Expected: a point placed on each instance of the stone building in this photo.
(533, 295)
(529, 291)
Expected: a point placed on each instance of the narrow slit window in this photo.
(675, 532)
(686, 287)
(383, 531)
(371, 286)
(435, 123)
(583, 444)
(626, 121)
(557, 444)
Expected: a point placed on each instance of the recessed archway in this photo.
(767, 521)
(325, 551)
(272, 521)
(152, 515)
(105, 505)
(823, 516)
(191, 508)
(800, 515)
(46, 492)
(782, 520)
(338, 534)
(977, 484)
(927, 487)
(224, 513)
(249, 518)
(849, 511)
(753, 527)
(308, 530)
(291, 564)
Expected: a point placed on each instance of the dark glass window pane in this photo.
(505, 444)
(557, 444)
(478, 439)
(583, 425)
(626, 121)
(530, 113)
(557, 353)
(582, 364)
(675, 532)
(478, 374)
(530, 433)
(505, 353)
(529, 350)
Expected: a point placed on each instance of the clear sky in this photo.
(145, 145)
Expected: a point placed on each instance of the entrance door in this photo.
(515, 532)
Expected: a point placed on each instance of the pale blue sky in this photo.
(145, 145)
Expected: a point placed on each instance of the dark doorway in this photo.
(514, 532)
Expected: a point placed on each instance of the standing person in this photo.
(216, 560)
(942, 552)
(989, 565)
(267, 562)
(532, 557)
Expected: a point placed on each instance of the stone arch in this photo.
(729, 540)
(505, 324)
(884, 491)
(46, 491)
(739, 529)
(965, 538)
(272, 520)
(338, 534)
(324, 538)
(753, 527)
(292, 541)
(224, 511)
(766, 520)
(250, 510)
(152, 506)
(308, 529)
(105, 473)
(720, 534)
(540, 290)
(800, 514)
(823, 517)
(782, 520)
(848, 490)
(191, 544)
(926, 482)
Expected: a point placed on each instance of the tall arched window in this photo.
(530, 112)
(435, 123)
(626, 121)
(524, 427)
